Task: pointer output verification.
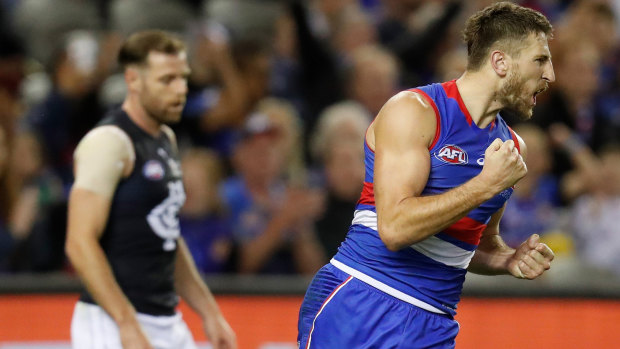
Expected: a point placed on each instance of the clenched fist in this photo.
(503, 165)
(530, 259)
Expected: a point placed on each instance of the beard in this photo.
(511, 97)
(160, 112)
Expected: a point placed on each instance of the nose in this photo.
(549, 74)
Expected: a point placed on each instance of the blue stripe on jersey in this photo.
(369, 163)
(366, 207)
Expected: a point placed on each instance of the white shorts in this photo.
(93, 328)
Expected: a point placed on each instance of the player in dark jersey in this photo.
(123, 231)
(440, 165)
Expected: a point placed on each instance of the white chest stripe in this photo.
(434, 248)
(365, 218)
(444, 252)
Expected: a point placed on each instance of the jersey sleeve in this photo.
(103, 157)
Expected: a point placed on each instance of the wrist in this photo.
(127, 318)
(481, 188)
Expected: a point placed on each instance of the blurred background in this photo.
(281, 93)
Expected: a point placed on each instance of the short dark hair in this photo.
(503, 22)
(136, 48)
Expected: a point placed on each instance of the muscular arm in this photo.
(101, 160)
(401, 134)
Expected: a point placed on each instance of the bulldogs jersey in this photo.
(430, 273)
(139, 239)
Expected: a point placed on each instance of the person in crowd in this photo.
(272, 218)
(204, 224)
(336, 150)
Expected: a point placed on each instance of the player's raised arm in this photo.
(102, 158)
(401, 135)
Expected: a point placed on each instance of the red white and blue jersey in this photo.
(430, 273)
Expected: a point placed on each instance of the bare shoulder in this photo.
(410, 101)
(108, 138)
(103, 145)
(407, 115)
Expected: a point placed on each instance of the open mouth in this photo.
(541, 90)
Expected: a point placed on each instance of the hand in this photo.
(531, 259)
(302, 205)
(503, 165)
(220, 333)
(132, 336)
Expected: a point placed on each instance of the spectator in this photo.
(34, 216)
(272, 221)
(595, 213)
(285, 118)
(72, 107)
(204, 224)
(307, 69)
(354, 29)
(230, 82)
(373, 77)
(415, 32)
(336, 149)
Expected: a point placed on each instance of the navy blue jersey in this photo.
(431, 271)
(140, 239)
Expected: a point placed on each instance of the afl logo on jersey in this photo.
(452, 154)
(153, 170)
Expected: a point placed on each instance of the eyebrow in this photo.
(543, 56)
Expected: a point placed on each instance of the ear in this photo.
(499, 62)
(132, 79)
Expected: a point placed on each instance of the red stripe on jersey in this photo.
(513, 135)
(467, 230)
(368, 195)
(437, 116)
(452, 91)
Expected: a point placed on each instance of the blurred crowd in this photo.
(281, 94)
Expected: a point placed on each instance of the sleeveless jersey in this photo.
(431, 271)
(139, 240)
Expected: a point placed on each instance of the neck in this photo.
(478, 92)
(140, 116)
